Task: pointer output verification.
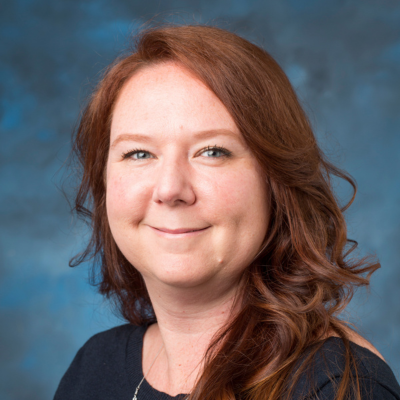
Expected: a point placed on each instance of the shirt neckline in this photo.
(134, 369)
(147, 392)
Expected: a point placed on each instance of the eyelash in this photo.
(225, 152)
(130, 153)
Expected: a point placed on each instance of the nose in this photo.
(174, 186)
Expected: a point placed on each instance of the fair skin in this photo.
(178, 162)
(187, 205)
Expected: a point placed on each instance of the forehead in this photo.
(168, 98)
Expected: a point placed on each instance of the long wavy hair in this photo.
(302, 278)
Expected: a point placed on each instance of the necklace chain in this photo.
(144, 376)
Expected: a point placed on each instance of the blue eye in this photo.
(209, 152)
(141, 154)
(137, 154)
(216, 152)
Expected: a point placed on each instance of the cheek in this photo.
(125, 198)
(240, 210)
(240, 196)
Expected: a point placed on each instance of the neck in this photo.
(186, 326)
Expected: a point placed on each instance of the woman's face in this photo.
(186, 200)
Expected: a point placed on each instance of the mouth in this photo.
(180, 231)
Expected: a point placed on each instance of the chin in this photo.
(180, 282)
(182, 273)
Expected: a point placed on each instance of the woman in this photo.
(217, 233)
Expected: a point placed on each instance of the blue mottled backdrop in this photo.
(343, 57)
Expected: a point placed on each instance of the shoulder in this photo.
(99, 365)
(324, 374)
(107, 345)
(110, 339)
(356, 338)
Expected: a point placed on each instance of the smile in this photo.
(179, 232)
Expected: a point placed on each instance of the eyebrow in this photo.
(137, 137)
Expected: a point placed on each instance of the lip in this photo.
(181, 231)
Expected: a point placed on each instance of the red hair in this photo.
(302, 278)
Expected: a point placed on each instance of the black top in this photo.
(109, 367)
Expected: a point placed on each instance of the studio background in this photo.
(343, 58)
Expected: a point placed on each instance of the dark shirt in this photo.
(109, 367)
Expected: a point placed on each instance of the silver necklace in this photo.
(144, 376)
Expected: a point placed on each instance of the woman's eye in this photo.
(138, 155)
(209, 152)
(216, 152)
